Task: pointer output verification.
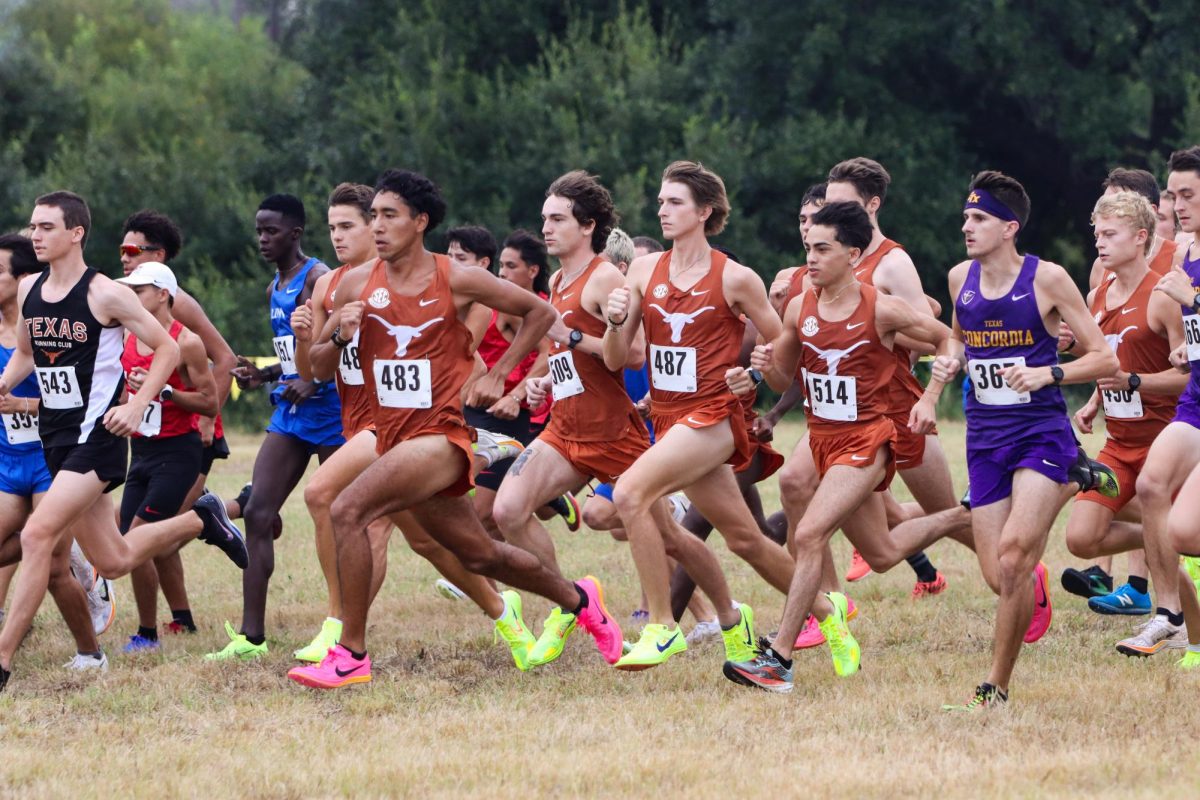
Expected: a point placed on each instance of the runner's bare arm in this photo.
(945, 367)
(897, 276)
(116, 303)
(623, 312)
(1165, 320)
(21, 362)
(746, 294)
(191, 314)
(896, 316)
(346, 315)
(308, 323)
(779, 358)
(193, 366)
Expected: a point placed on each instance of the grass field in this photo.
(448, 714)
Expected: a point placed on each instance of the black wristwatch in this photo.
(165, 394)
(337, 339)
(755, 375)
(1056, 374)
(1196, 304)
(1135, 381)
(574, 339)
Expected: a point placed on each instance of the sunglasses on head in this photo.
(132, 250)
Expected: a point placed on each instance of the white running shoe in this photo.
(493, 448)
(709, 629)
(448, 590)
(102, 605)
(680, 505)
(1157, 634)
(81, 568)
(83, 663)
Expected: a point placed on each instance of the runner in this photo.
(166, 447)
(1142, 327)
(70, 333)
(149, 235)
(1184, 532)
(1162, 248)
(1020, 446)
(24, 478)
(689, 301)
(594, 432)
(306, 421)
(840, 334)
(415, 356)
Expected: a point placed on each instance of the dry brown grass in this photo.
(448, 715)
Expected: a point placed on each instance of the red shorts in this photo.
(1126, 462)
(770, 459)
(605, 461)
(458, 435)
(909, 447)
(855, 447)
(664, 416)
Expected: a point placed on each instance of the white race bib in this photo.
(285, 351)
(21, 427)
(832, 397)
(990, 388)
(563, 376)
(673, 369)
(1191, 335)
(403, 383)
(151, 424)
(349, 366)
(59, 387)
(1122, 405)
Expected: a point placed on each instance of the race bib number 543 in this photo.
(59, 387)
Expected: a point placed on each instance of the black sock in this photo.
(256, 640)
(787, 662)
(96, 654)
(920, 563)
(582, 601)
(183, 616)
(357, 655)
(148, 633)
(1173, 617)
(559, 506)
(1139, 584)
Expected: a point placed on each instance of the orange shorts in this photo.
(770, 459)
(1126, 462)
(663, 417)
(856, 447)
(909, 447)
(458, 435)
(605, 461)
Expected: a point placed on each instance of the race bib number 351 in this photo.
(673, 369)
(59, 387)
(564, 377)
(403, 383)
(1191, 335)
(990, 387)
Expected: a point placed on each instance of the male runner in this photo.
(840, 334)
(414, 351)
(1162, 249)
(1142, 327)
(1019, 440)
(70, 334)
(306, 421)
(166, 447)
(594, 430)
(24, 477)
(153, 236)
(690, 301)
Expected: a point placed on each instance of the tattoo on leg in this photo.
(519, 464)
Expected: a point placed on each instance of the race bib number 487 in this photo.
(673, 369)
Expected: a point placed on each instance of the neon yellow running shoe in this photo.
(842, 645)
(739, 640)
(1192, 565)
(330, 635)
(1190, 660)
(557, 629)
(239, 647)
(658, 643)
(511, 627)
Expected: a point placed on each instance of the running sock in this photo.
(183, 617)
(256, 640)
(357, 656)
(96, 654)
(582, 601)
(150, 634)
(1173, 617)
(786, 662)
(1139, 584)
(920, 563)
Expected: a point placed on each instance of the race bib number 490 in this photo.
(832, 397)
(1125, 404)
(990, 387)
(564, 377)
(59, 387)
(403, 383)
(1191, 335)
(285, 351)
(21, 428)
(673, 369)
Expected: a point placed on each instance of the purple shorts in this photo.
(1188, 409)
(990, 470)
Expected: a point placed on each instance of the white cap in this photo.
(152, 273)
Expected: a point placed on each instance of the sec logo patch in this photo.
(660, 291)
(379, 298)
(809, 328)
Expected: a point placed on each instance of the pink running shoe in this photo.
(810, 634)
(1042, 610)
(859, 568)
(929, 588)
(851, 609)
(339, 668)
(595, 619)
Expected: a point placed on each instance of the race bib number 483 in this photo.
(59, 387)
(673, 369)
(990, 387)
(403, 383)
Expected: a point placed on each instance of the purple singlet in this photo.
(1188, 409)
(1009, 430)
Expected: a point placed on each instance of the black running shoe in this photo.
(243, 497)
(4, 676)
(220, 531)
(1091, 475)
(1090, 582)
(965, 502)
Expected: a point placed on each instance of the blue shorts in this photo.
(24, 474)
(317, 421)
(604, 490)
(990, 469)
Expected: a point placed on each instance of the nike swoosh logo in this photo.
(1051, 464)
(858, 458)
(1017, 297)
(291, 291)
(342, 674)
(694, 422)
(662, 648)
(850, 327)
(104, 590)
(423, 303)
(858, 272)
(1128, 310)
(697, 294)
(566, 295)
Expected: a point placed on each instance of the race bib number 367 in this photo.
(990, 387)
(59, 387)
(673, 369)
(403, 383)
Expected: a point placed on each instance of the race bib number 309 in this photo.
(565, 380)
(673, 369)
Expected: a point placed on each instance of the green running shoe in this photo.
(986, 697)
(1192, 565)
(511, 627)
(1190, 660)
(739, 640)
(239, 647)
(555, 631)
(1093, 476)
(315, 651)
(658, 643)
(842, 645)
